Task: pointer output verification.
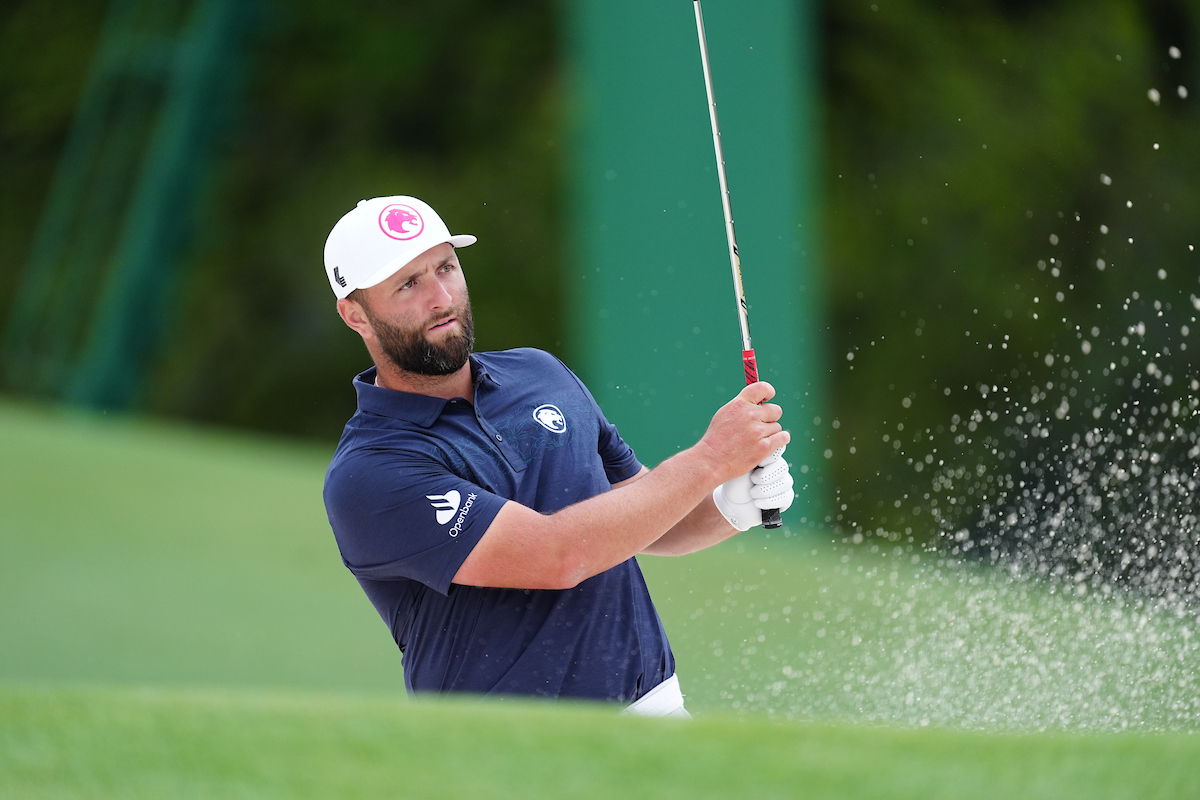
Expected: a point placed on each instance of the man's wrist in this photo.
(709, 465)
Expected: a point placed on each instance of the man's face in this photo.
(421, 316)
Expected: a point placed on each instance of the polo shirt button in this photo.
(499, 438)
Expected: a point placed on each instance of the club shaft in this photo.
(735, 261)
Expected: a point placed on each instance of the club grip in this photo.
(750, 366)
(772, 518)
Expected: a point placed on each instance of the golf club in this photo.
(771, 517)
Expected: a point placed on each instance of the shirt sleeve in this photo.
(405, 517)
(620, 462)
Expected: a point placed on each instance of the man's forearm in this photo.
(524, 549)
(703, 527)
(675, 495)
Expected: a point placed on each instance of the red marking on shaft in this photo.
(750, 366)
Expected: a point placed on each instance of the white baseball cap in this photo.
(378, 237)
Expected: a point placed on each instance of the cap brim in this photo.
(390, 268)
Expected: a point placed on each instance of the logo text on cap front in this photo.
(401, 222)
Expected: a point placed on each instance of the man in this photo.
(489, 510)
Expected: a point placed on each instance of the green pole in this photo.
(132, 308)
(655, 330)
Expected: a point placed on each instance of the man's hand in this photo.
(769, 485)
(744, 432)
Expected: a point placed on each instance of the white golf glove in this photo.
(769, 485)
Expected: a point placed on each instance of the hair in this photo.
(359, 296)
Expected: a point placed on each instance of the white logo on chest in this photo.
(550, 418)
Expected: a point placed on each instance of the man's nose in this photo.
(440, 296)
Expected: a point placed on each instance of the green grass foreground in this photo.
(129, 743)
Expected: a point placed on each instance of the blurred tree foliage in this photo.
(456, 102)
(45, 51)
(965, 144)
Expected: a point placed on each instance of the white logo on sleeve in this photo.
(550, 418)
(446, 505)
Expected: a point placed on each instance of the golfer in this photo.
(486, 506)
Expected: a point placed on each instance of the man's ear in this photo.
(353, 315)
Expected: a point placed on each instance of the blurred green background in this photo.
(962, 144)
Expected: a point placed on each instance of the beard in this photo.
(410, 351)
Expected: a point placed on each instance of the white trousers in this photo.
(664, 700)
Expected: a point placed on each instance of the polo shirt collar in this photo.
(481, 373)
(417, 408)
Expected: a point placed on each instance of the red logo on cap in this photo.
(401, 222)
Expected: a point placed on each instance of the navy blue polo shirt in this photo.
(414, 484)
